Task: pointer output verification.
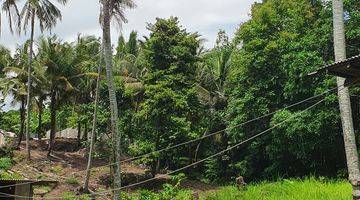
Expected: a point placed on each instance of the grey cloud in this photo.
(204, 16)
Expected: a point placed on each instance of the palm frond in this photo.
(16, 70)
(44, 10)
(13, 15)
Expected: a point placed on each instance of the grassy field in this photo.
(309, 189)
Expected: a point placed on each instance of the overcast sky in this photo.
(203, 16)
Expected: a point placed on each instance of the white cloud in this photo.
(203, 16)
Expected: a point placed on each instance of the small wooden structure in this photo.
(19, 189)
(349, 69)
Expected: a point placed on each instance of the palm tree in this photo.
(213, 74)
(15, 83)
(15, 87)
(12, 12)
(87, 56)
(216, 68)
(60, 64)
(113, 9)
(47, 14)
(93, 131)
(40, 95)
(344, 101)
(5, 57)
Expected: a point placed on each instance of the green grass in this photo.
(309, 189)
(72, 196)
(72, 181)
(57, 169)
(5, 163)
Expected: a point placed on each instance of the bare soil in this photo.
(68, 168)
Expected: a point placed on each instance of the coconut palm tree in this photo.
(12, 13)
(344, 101)
(113, 9)
(40, 93)
(15, 83)
(87, 56)
(216, 68)
(93, 131)
(5, 58)
(213, 74)
(60, 64)
(57, 59)
(15, 87)
(47, 15)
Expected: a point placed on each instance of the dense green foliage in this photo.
(5, 163)
(171, 107)
(171, 90)
(281, 44)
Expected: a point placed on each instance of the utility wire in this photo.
(191, 141)
(27, 197)
(212, 134)
(201, 138)
(214, 155)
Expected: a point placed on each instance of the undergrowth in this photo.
(308, 189)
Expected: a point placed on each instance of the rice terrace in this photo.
(180, 100)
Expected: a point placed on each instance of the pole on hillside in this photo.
(28, 98)
(344, 101)
(93, 131)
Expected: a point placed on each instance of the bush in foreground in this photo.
(309, 189)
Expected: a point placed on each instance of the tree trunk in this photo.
(198, 147)
(79, 133)
(116, 137)
(344, 101)
(205, 133)
(40, 129)
(28, 101)
(85, 136)
(93, 131)
(155, 165)
(22, 121)
(52, 122)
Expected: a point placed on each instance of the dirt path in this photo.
(68, 168)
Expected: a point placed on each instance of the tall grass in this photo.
(309, 189)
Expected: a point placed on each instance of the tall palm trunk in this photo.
(28, 101)
(344, 101)
(40, 108)
(93, 131)
(79, 133)
(85, 136)
(116, 137)
(22, 121)
(52, 121)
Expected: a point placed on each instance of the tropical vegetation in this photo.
(148, 94)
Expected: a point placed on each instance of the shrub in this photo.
(287, 189)
(169, 192)
(72, 181)
(57, 169)
(5, 163)
(71, 196)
